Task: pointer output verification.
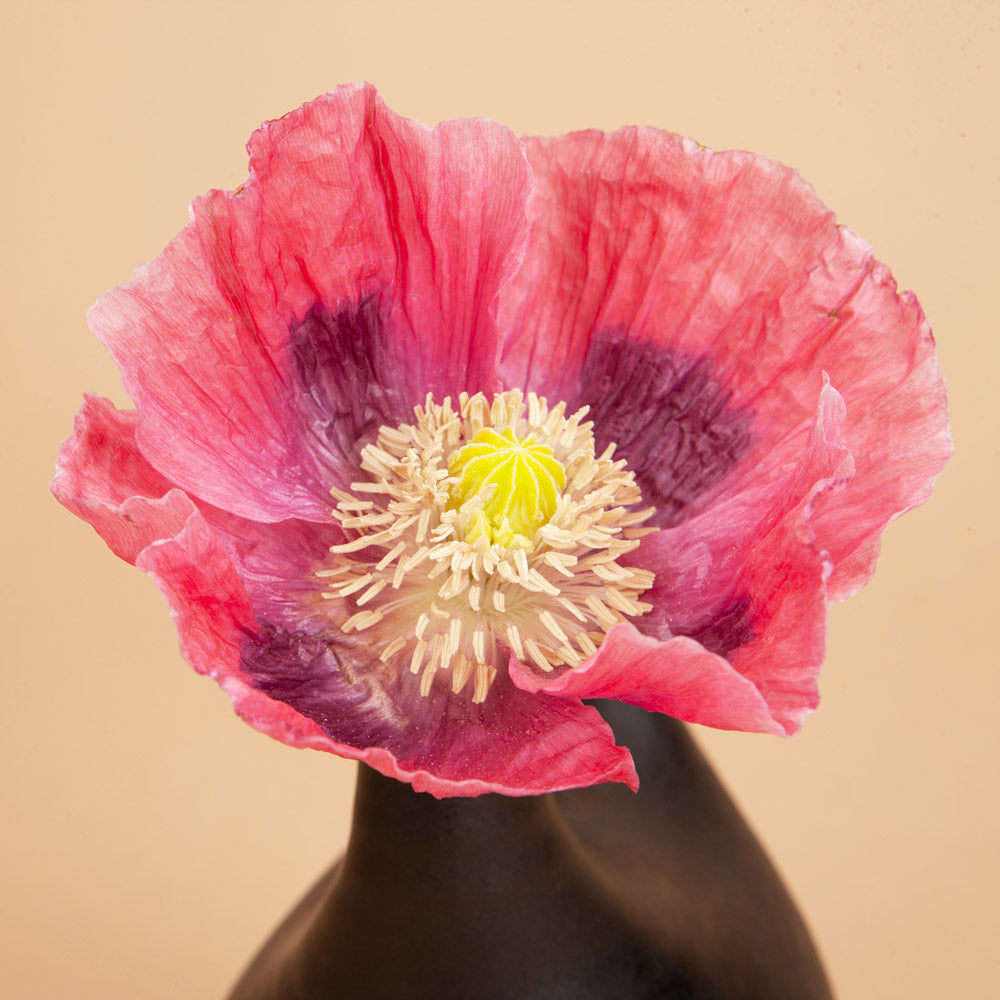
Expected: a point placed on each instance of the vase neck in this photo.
(386, 810)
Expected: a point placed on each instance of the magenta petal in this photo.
(214, 619)
(787, 570)
(216, 413)
(745, 580)
(514, 743)
(103, 478)
(517, 744)
(444, 744)
(277, 564)
(727, 260)
(702, 564)
(646, 232)
(432, 220)
(678, 677)
(883, 362)
(386, 240)
(220, 575)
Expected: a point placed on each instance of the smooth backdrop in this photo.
(149, 839)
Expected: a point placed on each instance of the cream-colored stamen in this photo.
(485, 530)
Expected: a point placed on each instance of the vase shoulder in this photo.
(591, 894)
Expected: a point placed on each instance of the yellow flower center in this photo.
(485, 530)
(525, 478)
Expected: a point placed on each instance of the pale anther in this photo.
(486, 528)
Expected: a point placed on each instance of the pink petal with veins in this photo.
(362, 242)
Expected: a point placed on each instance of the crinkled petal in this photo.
(296, 688)
(787, 573)
(103, 478)
(726, 265)
(762, 608)
(883, 362)
(646, 232)
(278, 565)
(678, 677)
(520, 745)
(736, 637)
(443, 743)
(249, 613)
(355, 271)
(700, 564)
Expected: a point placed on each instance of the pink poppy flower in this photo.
(440, 431)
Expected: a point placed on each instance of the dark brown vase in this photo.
(593, 894)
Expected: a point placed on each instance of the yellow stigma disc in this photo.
(527, 481)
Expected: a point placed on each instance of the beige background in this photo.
(150, 839)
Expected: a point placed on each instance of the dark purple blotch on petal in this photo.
(670, 417)
(727, 627)
(344, 376)
(360, 702)
(322, 682)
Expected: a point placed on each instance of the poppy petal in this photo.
(678, 677)
(737, 633)
(443, 743)
(102, 477)
(730, 285)
(226, 579)
(355, 271)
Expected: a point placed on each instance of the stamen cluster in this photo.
(433, 593)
